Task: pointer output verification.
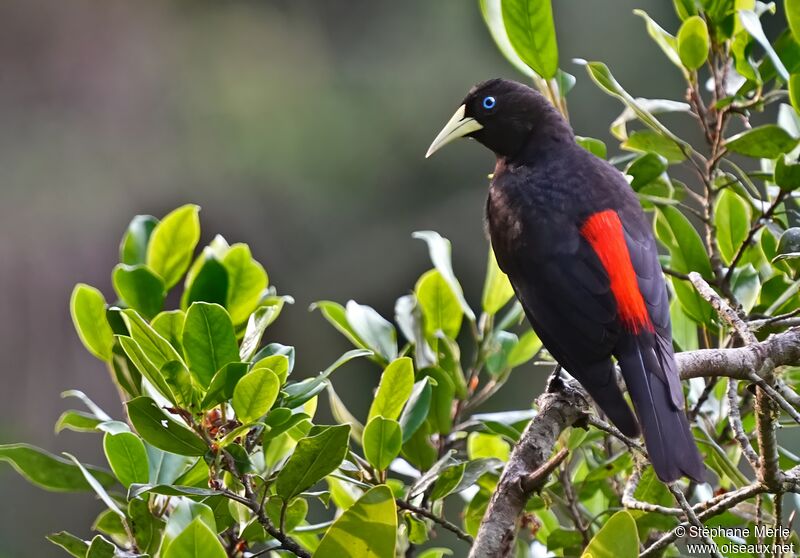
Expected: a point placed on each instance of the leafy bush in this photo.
(219, 453)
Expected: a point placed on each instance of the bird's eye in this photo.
(489, 102)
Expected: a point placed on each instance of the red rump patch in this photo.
(603, 231)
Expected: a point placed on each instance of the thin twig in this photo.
(463, 535)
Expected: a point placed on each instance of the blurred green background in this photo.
(298, 126)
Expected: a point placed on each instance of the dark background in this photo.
(298, 126)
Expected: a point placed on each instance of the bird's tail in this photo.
(651, 376)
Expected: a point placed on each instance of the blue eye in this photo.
(489, 103)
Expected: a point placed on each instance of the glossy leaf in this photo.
(440, 250)
(96, 485)
(787, 176)
(77, 421)
(208, 340)
(88, 308)
(246, 282)
(648, 141)
(381, 440)
(395, 387)
(765, 142)
(367, 529)
(172, 243)
(139, 288)
(440, 307)
(196, 541)
(497, 289)
(693, 42)
(48, 471)
(127, 457)
(316, 456)
(207, 281)
(71, 544)
(617, 538)
(532, 33)
(223, 384)
(493, 17)
(752, 25)
(732, 219)
(169, 325)
(416, 409)
(376, 332)
(254, 394)
(665, 41)
(160, 430)
(525, 349)
(133, 248)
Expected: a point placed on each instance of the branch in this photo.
(436, 519)
(566, 404)
(557, 410)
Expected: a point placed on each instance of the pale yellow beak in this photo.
(456, 127)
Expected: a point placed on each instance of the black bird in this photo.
(570, 234)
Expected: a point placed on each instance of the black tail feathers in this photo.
(648, 374)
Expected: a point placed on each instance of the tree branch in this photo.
(566, 404)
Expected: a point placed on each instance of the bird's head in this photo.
(502, 115)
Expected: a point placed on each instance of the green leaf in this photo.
(693, 42)
(48, 471)
(165, 467)
(133, 248)
(787, 176)
(746, 286)
(443, 393)
(794, 91)
(648, 141)
(439, 304)
(137, 490)
(88, 308)
(792, 8)
(196, 541)
(532, 33)
(395, 387)
(246, 282)
(342, 415)
(77, 421)
(645, 169)
(97, 486)
(618, 538)
(687, 254)
(528, 346)
(664, 40)
(316, 456)
(486, 446)
(765, 142)
(295, 512)
(368, 529)
(256, 326)
(493, 17)
(732, 220)
(128, 459)
(209, 340)
(145, 367)
(602, 76)
(377, 333)
(172, 243)
(223, 384)
(752, 25)
(381, 440)
(146, 528)
(154, 347)
(497, 289)
(207, 281)
(139, 288)
(70, 543)
(160, 430)
(299, 393)
(101, 548)
(440, 250)
(169, 325)
(593, 145)
(182, 516)
(416, 409)
(254, 394)
(684, 329)
(334, 313)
